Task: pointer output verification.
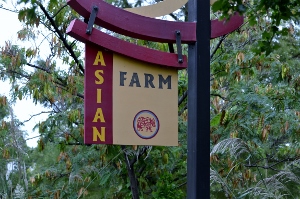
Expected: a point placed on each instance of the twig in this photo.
(182, 97)
(33, 137)
(218, 45)
(263, 167)
(181, 185)
(15, 11)
(59, 10)
(220, 96)
(38, 67)
(183, 109)
(36, 115)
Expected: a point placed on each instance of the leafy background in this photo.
(255, 113)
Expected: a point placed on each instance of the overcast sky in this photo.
(23, 109)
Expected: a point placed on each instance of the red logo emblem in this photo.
(146, 124)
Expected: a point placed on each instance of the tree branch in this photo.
(219, 71)
(76, 144)
(60, 79)
(60, 176)
(22, 75)
(38, 67)
(173, 16)
(135, 158)
(61, 36)
(296, 56)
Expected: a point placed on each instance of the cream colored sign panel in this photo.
(144, 103)
(160, 9)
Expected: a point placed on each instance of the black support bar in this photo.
(92, 20)
(178, 44)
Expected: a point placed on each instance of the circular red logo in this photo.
(146, 124)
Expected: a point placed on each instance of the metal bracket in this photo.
(91, 20)
(178, 44)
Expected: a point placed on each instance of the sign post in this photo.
(198, 103)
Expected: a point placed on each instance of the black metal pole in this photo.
(198, 183)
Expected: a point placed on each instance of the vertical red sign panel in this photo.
(98, 124)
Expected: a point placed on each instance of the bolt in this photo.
(95, 8)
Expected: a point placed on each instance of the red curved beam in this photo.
(77, 29)
(220, 28)
(137, 26)
(133, 25)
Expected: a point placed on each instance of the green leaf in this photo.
(104, 178)
(20, 96)
(266, 35)
(216, 120)
(217, 6)
(252, 20)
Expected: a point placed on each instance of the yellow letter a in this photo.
(99, 58)
(99, 115)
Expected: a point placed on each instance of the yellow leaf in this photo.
(240, 57)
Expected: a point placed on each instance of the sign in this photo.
(130, 90)
(129, 102)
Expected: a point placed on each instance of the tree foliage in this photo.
(255, 92)
(14, 154)
(51, 73)
(254, 110)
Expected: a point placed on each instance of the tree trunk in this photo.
(132, 177)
